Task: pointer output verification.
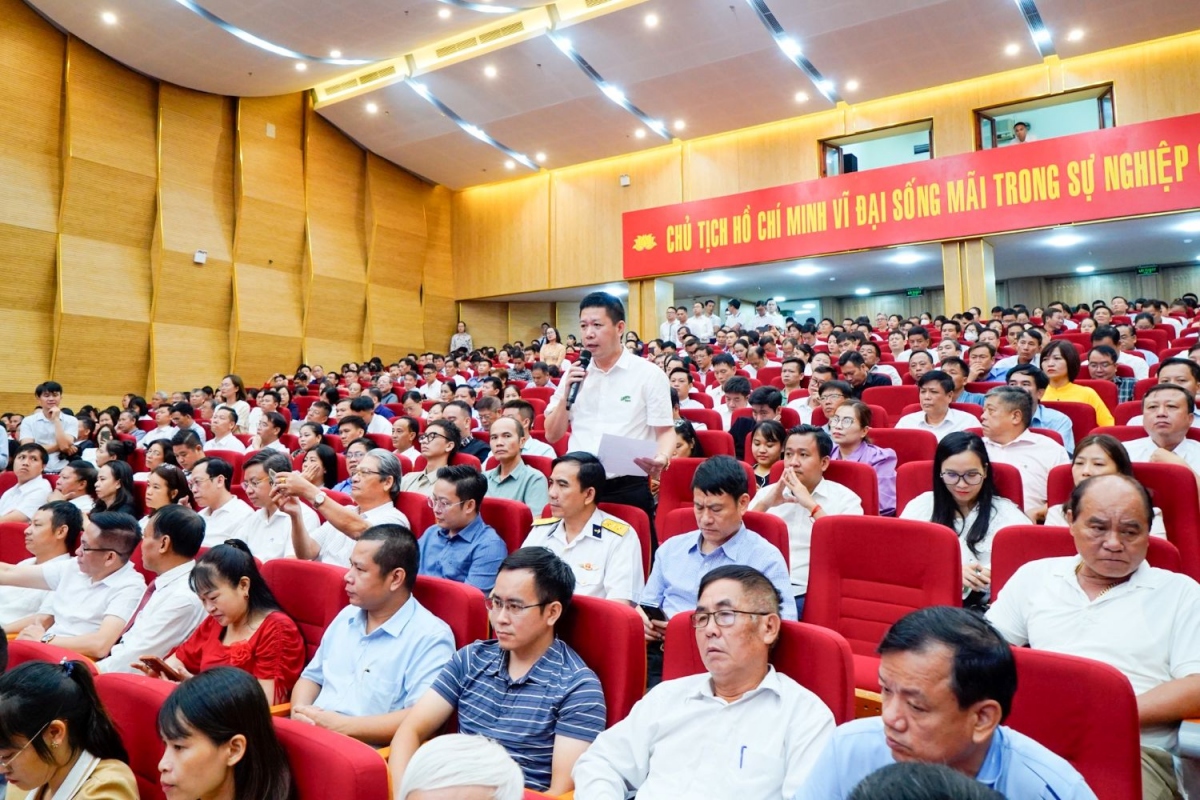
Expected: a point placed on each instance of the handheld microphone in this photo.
(585, 358)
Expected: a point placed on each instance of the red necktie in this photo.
(145, 599)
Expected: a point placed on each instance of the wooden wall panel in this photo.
(441, 286)
(1150, 81)
(487, 322)
(525, 321)
(502, 238)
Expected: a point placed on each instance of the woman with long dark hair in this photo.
(114, 489)
(220, 741)
(1101, 454)
(56, 740)
(964, 500)
(320, 466)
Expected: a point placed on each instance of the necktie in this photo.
(145, 599)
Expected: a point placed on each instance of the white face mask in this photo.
(971, 335)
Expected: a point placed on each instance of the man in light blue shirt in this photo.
(1034, 382)
(381, 652)
(948, 680)
(460, 546)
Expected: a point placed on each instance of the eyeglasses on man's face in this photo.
(514, 609)
(725, 618)
(438, 504)
(426, 438)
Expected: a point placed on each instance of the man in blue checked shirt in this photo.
(525, 689)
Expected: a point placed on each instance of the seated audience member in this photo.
(268, 402)
(271, 425)
(245, 627)
(115, 490)
(1182, 372)
(855, 372)
(455, 765)
(460, 546)
(112, 450)
(183, 417)
(736, 394)
(523, 412)
(31, 491)
(221, 741)
(374, 487)
(50, 427)
(920, 365)
(1167, 413)
(268, 531)
(1032, 380)
(851, 426)
(52, 535)
(169, 610)
(224, 515)
(319, 467)
(93, 596)
(802, 496)
(385, 632)
(57, 740)
(1006, 414)
(439, 443)
(1102, 366)
(936, 389)
(487, 411)
(163, 430)
(918, 342)
(364, 408)
(724, 367)
(766, 448)
(188, 448)
(831, 395)
(981, 360)
(77, 485)
(355, 451)
(957, 369)
(964, 499)
(127, 423)
(1060, 361)
(309, 436)
(914, 780)
(459, 413)
(602, 550)
(319, 412)
(873, 359)
(224, 425)
(405, 433)
(1100, 454)
(1107, 603)
(350, 429)
(512, 478)
(166, 485)
(681, 381)
(948, 681)
(772, 728)
(1028, 351)
(526, 689)
(805, 405)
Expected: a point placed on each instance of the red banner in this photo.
(1118, 172)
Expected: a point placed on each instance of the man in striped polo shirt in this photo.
(525, 689)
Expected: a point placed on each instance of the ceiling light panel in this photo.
(1108, 25)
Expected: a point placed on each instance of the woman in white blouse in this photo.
(964, 500)
(1101, 454)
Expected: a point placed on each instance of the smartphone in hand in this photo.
(158, 665)
(654, 613)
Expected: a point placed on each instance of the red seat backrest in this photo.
(1127, 411)
(1085, 712)
(22, 650)
(639, 521)
(769, 374)
(7, 481)
(512, 520)
(609, 638)
(916, 478)
(1017, 545)
(892, 398)
(327, 764)
(234, 458)
(333, 441)
(716, 443)
(381, 440)
(910, 444)
(543, 393)
(858, 478)
(1082, 416)
(540, 463)
(711, 419)
(415, 506)
(12, 542)
(817, 658)
(309, 592)
(675, 490)
(459, 605)
(702, 398)
(133, 702)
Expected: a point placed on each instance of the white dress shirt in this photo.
(1004, 513)
(164, 434)
(270, 538)
(606, 556)
(536, 447)
(169, 617)
(1148, 627)
(380, 424)
(682, 741)
(17, 602)
(669, 332)
(80, 605)
(955, 420)
(834, 498)
(226, 442)
(701, 327)
(336, 546)
(42, 431)
(889, 372)
(26, 498)
(1140, 451)
(227, 522)
(1034, 455)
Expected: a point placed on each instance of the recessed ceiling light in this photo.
(1075, 35)
(906, 257)
(510, 164)
(801, 97)
(1191, 226)
(335, 53)
(109, 18)
(790, 47)
(489, 71)
(1085, 269)
(640, 133)
(717, 280)
(778, 299)
(651, 20)
(444, 13)
(851, 86)
(1064, 240)
(616, 291)
(826, 86)
(1041, 36)
(806, 272)
(680, 124)
(808, 306)
(540, 157)
(372, 108)
(1012, 49)
(862, 291)
(301, 66)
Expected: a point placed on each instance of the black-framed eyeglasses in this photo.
(971, 478)
(514, 609)
(725, 618)
(426, 438)
(86, 549)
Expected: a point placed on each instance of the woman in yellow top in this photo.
(56, 739)
(1060, 362)
(553, 351)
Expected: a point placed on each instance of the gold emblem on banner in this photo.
(644, 242)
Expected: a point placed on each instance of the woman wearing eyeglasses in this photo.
(964, 500)
(439, 443)
(56, 740)
(849, 428)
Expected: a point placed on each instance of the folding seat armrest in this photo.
(281, 710)
(867, 704)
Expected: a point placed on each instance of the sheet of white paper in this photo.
(617, 454)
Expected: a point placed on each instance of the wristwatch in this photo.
(319, 499)
(48, 638)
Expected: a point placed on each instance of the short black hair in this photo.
(752, 581)
(822, 438)
(938, 377)
(721, 475)
(851, 358)
(1040, 379)
(1168, 387)
(398, 550)
(63, 512)
(1175, 361)
(354, 421)
(591, 474)
(215, 467)
(767, 396)
(184, 526)
(187, 438)
(362, 403)
(553, 579)
(34, 447)
(983, 666)
(119, 531)
(469, 483)
(48, 386)
(183, 407)
(918, 780)
(737, 385)
(613, 306)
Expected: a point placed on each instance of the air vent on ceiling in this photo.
(338, 88)
(594, 3)
(457, 47)
(371, 77)
(500, 33)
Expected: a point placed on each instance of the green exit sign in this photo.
(1149, 269)
(915, 292)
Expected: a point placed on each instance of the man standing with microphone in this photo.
(616, 393)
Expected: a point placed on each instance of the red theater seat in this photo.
(234, 458)
(540, 463)
(1082, 416)
(459, 605)
(327, 764)
(310, 593)
(909, 444)
(639, 521)
(511, 519)
(715, 443)
(133, 702)
(22, 650)
(858, 478)
(916, 478)
(609, 638)
(892, 398)
(711, 419)
(415, 506)
(675, 490)
(12, 542)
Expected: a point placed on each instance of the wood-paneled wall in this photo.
(109, 183)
